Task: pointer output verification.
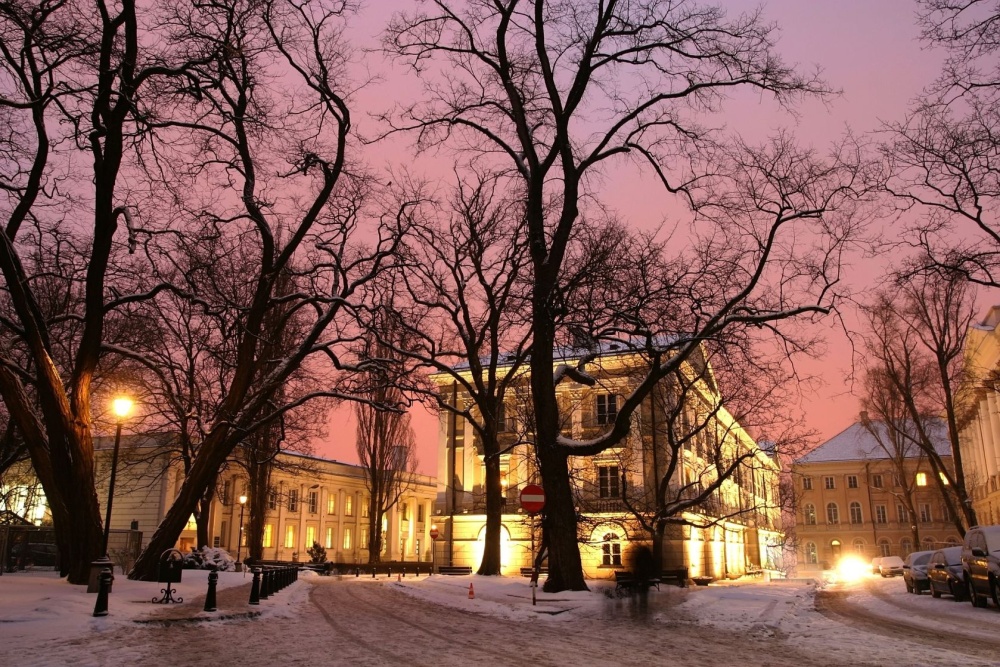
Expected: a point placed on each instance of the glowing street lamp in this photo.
(239, 535)
(122, 407)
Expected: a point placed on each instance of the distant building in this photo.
(857, 494)
(736, 529)
(980, 439)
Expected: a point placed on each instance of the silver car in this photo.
(915, 571)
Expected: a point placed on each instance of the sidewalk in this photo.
(230, 603)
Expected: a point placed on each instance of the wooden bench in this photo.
(627, 581)
(455, 570)
(754, 571)
(677, 576)
(528, 571)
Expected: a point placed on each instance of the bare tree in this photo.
(557, 91)
(915, 345)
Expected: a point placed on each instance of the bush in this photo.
(209, 558)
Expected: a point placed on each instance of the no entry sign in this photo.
(434, 532)
(532, 499)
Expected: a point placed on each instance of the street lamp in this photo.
(121, 406)
(239, 535)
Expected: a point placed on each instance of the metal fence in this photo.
(34, 547)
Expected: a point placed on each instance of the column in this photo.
(988, 437)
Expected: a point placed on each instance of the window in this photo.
(902, 515)
(405, 512)
(829, 483)
(607, 408)
(347, 539)
(329, 538)
(859, 547)
(812, 558)
(310, 536)
(807, 483)
(349, 505)
(420, 512)
(881, 515)
(268, 540)
(227, 490)
(272, 499)
(216, 542)
(856, 516)
(925, 513)
(928, 543)
(313, 502)
(290, 536)
(852, 481)
(884, 547)
(363, 538)
(896, 481)
(366, 508)
(293, 500)
(331, 503)
(608, 482)
(944, 478)
(877, 480)
(505, 422)
(921, 479)
(832, 513)
(224, 533)
(611, 550)
(810, 514)
(905, 546)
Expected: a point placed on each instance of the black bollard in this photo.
(265, 584)
(213, 582)
(373, 571)
(104, 586)
(357, 572)
(390, 572)
(255, 587)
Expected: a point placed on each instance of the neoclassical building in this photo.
(311, 499)
(980, 438)
(857, 494)
(735, 529)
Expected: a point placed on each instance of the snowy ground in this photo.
(432, 621)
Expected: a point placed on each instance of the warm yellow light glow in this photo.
(852, 568)
(921, 479)
(122, 406)
(243, 500)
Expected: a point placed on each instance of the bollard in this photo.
(390, 572)
(213, 582)
(265, 584)
(104, 585)
(373, 572)
(357, 572)
(255, 587)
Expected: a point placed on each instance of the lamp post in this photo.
(239, 535)
(121, 406)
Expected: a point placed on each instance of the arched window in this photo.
(905, 546)
(884, 547)
(860, 547)
(810, 514)
(928, 543)
(832, 513)
(952, 541)
(856, 516)
(612, 550)
(812, 557)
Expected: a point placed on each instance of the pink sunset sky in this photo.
(867, 49)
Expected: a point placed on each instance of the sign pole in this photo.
(532, 502)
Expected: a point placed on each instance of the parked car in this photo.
(915, 571)
(33, 554)
(890, 566)
(875, 563)
(981, 564)
(944, 573)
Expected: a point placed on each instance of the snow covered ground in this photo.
(432, 621)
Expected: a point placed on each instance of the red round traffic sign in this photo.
(532, 499)
(434, 533)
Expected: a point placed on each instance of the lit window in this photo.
(810, 514)
(405, 512)
(611, 550)
(289, 536)
(944, 478)
(347, 539)
(329, 538)
(832, 513)
(607, 408)
(310, 535)
(349, 505)
(921, 479)
(608, 482)
(331, 503)
(366, 508)
(192, 523)
(363, 538)
(268, 540)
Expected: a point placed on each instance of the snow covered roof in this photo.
(857, 443)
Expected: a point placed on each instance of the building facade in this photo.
(979, 397)
(858, 495)
(310, 500)
(735, 529)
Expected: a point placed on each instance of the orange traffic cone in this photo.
(398, 577)
(472, 592)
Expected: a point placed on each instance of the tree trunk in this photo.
(202, 517)
(374, 529)
(494, 516)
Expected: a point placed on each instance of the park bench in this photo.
(677, 576)
(455, 570)
(528, 571)
(626, 580)
(754, 571)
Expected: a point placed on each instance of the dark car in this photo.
(34, 554)
(915, 571)
(944, 573)
(981, 564)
